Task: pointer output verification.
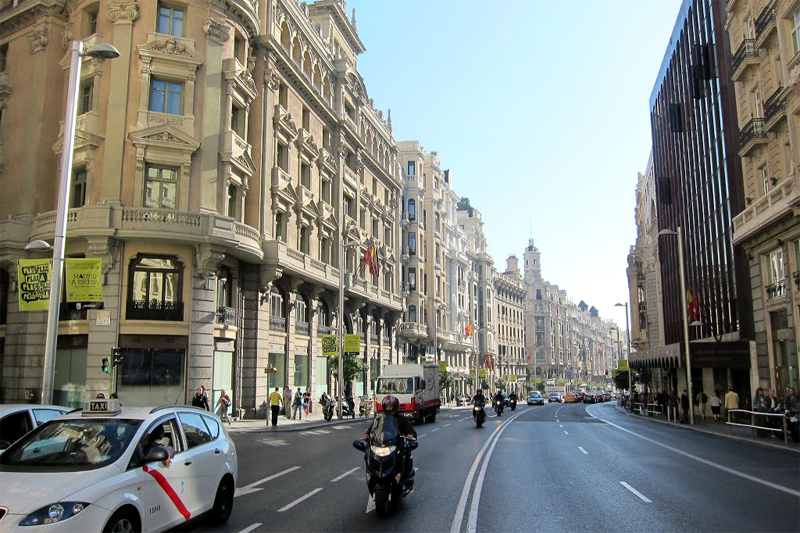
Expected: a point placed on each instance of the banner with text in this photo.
(84, 281)
(329, 345)
(34, 284)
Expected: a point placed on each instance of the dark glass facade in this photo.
(699, 176)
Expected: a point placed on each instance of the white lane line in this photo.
(566, 432)
(334, 480)
(248, 529)
(561, 425)
(370, 505)
(420, 436)
(584, 451)
(340, 427)
(434, 430)
(447, 424)
(641, 496)
(247, 489)
(707, 462)
(322, 432)
(298, 500)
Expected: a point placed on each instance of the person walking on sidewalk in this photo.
(685, 407)
(200, 399)
(222, 407)
(716, 405)
(275, 401)
(731, 400)
(673, 405)
(307, 401)
(287, 401)
(297, 410)
(702, 402)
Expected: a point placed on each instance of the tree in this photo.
(501, 384)
(541, 387)
(353, 367)
(446, 379)
(621, 380)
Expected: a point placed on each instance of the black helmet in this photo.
(391, 405)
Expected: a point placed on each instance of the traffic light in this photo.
(116, 356)
(606, 371)
(104, 365)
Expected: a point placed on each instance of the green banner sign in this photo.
(34, 284)
(329, 345)
(84, 280)
(352, 343)
(513, 377)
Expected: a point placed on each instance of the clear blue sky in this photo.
(540, 109)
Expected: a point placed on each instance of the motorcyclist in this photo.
(499, 397)
(479, 398)
(391, 407)
(512, 396)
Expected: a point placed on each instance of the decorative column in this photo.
(291, 328)
(214, 116)
(202, 312)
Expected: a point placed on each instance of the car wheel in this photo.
(223, 502)
(125, 520)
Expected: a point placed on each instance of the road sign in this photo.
(352, 343)
(329, 345)
(443, 366)
(623, 365)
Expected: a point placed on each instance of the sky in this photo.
(539, 108)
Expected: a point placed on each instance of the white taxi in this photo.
(106, 468)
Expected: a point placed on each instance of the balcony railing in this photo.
(154, 310)
(776, 290)
(67, 311)
(301, 328)
(773, 105)
(751, 131)
(277, 323)
(226, 315)
(324, 330)
(747, 50)
(764, 20)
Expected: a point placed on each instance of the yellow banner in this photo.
(538, 379)
(482, 373)
(84, 280)
(623, 365)
(34, 284)
(513, 377)
(329, 345)
(443, 366)
(352, 344)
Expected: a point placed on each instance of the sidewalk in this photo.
(720, 429)
(314, 420)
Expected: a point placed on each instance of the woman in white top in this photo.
(716, 404)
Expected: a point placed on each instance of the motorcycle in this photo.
(327, 410)
(390, 467)
(478, 414)
(498, 407)
(512, 403)
(348, 408)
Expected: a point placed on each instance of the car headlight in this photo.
(56, 512)
(382, 451)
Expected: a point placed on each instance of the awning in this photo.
(730, 354)
(658, 357)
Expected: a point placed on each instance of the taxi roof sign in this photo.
(101, 407)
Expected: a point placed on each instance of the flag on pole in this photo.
(692, 306)
(468, 330)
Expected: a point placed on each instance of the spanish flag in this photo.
(468, 330)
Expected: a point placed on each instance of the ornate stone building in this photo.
(215, 162)
(512, 363)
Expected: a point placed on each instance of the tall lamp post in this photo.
(628, 333)
(79, 51)
(684, 318)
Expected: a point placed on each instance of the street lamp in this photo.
(628, 333)
(99, 51)
(684, 318)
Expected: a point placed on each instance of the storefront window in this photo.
(301, 370)
(278, 362)
(151, 376)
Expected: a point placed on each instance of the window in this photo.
(283, 96)
(412, 279)
(324, 251)
(156, 279)
(238, 48)
(387, 235)
(796, 31)
(280, 226)
(301, 370)
(224, 293)
(347, 205)
(194, 429)
(45, 415)
(91, 21)
(166, 96)
(13, 427)
(85, 101)
(303, 239)
(305, 175)
(412, 244)
(323, 316)
(3, 57)
(777, 286)
(170, 20)
(237, 120)
(438, 251)
(302, 309)
(276, 307)
(412, 313)
(412, 168)
(412, 210)
(160, 187)
(325, 190)
(306, 119)
(349, 111)
(326, 138)
(232, 194)
(78, 198)
(436, 222)
(282, 157)
(375, 228)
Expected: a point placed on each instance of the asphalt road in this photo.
(555, 467)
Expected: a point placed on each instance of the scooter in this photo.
(390, 468)
(348, 408)
(478, 414)
(327, 410)
(498, 407)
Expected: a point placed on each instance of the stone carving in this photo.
(166, 137)
(170, 46)
(208, 260)
(66, 39)
(106, 249)
(123, 12)
(273, 81)
(247, 79)
(38, 39)
(217, 31)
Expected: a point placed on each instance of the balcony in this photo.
(776, 290)
(277, 323)
(746, 56)
(226, 316)
(752, 135)
(765, 25)
(777, 204)
(774, 109)
(67, 311)
(325, 330)
(301, 328)
(154, 310)
(412, 330)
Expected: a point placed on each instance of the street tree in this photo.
(353, 367)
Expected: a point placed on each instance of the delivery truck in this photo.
(416, 386)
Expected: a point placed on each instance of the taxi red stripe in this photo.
(164, 484)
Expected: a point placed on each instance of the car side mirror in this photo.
(4, 444)
(157, 454)
(360, 445)
(412, 445)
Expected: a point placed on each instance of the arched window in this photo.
(285, 38)
(155, 288)
(296, 50)
(412, 313)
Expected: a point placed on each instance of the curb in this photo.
(714, 433)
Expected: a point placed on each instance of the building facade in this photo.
(218, 162)
(766, 37)
(512, 363)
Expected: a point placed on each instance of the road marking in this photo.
(299, 500)
(370, 505)
(434, 430)
(466, 418)
(447, 424)
(323, 431)
(641, 496)
(248, 529)
(566, 432)
(275, 443)
(561, 425)
(584, 451)
(247, 489)
(707, 462)
(420, 436)
(334, 480)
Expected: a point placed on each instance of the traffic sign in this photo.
(352, 343)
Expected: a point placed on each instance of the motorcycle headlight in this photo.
(56, 512)
(382, 451)
(476, 408)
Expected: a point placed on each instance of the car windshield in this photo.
(395, 385)
(70, 445)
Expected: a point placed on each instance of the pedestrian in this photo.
(287, 401)
(759, 401)
(731, 401)
(298, 405)
(307, 401)
(205, 395)
(222, 406)
(684, 407)
(792, 401)
(200, 399)
(702, 401)
(673, 404)
(100, 396)
(275, 401)
(115, 397)
(716, 405)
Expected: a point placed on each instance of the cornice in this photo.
(28, 13)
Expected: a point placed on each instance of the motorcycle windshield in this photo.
(384, 431)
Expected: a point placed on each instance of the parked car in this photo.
(535, 398)
(554, 397)
(588, 397)
(462, 400)
(17, 420)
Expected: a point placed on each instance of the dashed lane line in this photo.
(253, 487)
(248, 529)
(434, 430)
(641, 496)
(584, 451)
(566, 432)
(299, 500)
(334, 480)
